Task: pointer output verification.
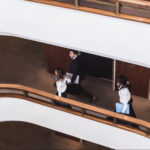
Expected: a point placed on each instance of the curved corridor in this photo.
(24, 62)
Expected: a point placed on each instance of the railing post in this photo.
(76, 3)
(53, 103)
(117, 8)
(148, 131)
(25, 94)
(83, 112)
(81, 141)
(114, 121)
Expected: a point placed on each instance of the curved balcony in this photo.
(113, 38)
(137, 10)
(100, 116)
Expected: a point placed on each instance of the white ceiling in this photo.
(101, 35)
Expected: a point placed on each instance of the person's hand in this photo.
(70, 83)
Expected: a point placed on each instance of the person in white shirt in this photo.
(125, 94)
(61, 82)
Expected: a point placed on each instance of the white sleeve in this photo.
(56, 83)
(125, 96)
(59, 93)
(68, 80)
(124, 107)
(58, 88)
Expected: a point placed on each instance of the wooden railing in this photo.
(78, 108)
(137, 10)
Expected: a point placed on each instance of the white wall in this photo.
(13, 109)
(101, 35)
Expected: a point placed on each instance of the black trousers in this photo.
(64, 94)
(132, 112)
(76, 89)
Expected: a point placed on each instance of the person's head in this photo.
(73, 53)
(123, 81)
(59, 72)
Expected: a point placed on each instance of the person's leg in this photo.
(87, 94)
(73, 89)
(56, 102)
(132, 112)
(76, 89)
(64, 94)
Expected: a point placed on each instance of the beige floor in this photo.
(24, 62)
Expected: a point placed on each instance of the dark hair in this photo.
(60, 72)
(124, 81)
(74, 51)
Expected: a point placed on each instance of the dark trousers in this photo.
(76, 89)
(132, 112)
(64, 94)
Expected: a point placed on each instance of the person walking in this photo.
(124, 91)
(77, 76)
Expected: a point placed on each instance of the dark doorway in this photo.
(97, 66)
(93, 65)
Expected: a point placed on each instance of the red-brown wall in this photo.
(138, 77)
(57, 57)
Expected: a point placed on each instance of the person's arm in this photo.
(68, 80)
(126, 95)
(75, 72)
(59, 90)
(124, 107)
(59, 93)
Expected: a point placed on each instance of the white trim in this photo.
(105, 36)
(114, 74)
(15, 109)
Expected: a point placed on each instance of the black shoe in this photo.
(93, 99)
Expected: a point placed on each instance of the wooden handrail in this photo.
(136, 2)
(117, 14)
(133, 2)
(77, 104)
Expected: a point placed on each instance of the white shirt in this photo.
(75, 57)
(62, 85)
(125, 96)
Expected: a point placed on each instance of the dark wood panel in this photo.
(102, 4)
(138, 77)
(57, 57)
(135, 11)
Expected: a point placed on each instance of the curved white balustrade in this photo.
(15, 109)
(105, 36)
